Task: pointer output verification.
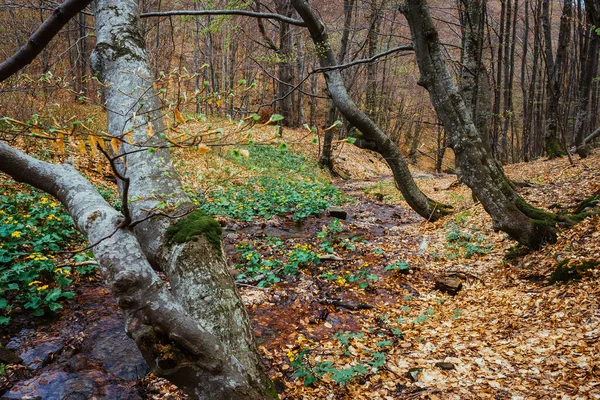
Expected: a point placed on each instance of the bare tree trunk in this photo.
(286, 66)
(424, 206)
(326, 152)
(589, 65)
(196, 270)
(554, 67)
(478, 169)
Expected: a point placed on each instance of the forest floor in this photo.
(350, 309)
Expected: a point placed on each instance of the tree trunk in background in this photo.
(510, 213)
(285, 67)
(554, 68)
(496, 117)
(197, 270)
(332, 114)
(424, 206)
(589, 65)
(473, 80)
(372, 102)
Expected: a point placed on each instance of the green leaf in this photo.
(4, 321)
(275, 118)
(3, 303)
(351, 140)
(54, 306)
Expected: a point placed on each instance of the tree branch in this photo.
(278, 17)
(40, 38)
(407, 47)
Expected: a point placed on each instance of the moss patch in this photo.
(590, 202)
(194, 225)
(553, 149)
(565, 272)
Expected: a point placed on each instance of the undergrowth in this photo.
(34, 228)
(286, 183)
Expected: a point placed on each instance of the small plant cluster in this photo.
(329, 371)
(361, 277)
(33, 228)
(463, 244)
(269, 269)
(285, 185)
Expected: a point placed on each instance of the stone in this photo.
(337, 212)
(414, 373)
(448, 284)
(446, 366)
(330, 257)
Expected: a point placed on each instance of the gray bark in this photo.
(589, 65)
(175, 344)
(197, 272)
(416, 199)
(509, 212)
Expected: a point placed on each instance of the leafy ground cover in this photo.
(349, 309)
(34, 230)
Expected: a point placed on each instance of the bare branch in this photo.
(40, 38)
(278, 17)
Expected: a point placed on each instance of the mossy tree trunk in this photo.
(416, 199)
(510, 213)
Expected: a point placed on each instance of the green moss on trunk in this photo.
(553, 149)
(194, 225)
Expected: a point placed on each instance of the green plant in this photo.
(269, 269)
(463, 244)
(33, 228)
(328, 235)
(401, 267)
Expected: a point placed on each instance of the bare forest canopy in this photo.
(524, 68)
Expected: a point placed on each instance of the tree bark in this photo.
(175, 344)
(416, 199)
(589, 65)
(554, 67)
(478, 169)
(196, 270)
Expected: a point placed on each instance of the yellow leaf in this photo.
(178, 116)
(60, 144)
(81, 147)
(100, 141)
(115, 144)
(100, 169)
(92, 141)
(149, 131)
(202, 148)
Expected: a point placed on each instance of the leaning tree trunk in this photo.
(175, 344)
(197, 269)
(416, 199)
(510, 213)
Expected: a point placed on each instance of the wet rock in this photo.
(9, 357)
(337, 212)
(446, 366)
(330, 257)
(448, 284)
(56, 384)
(109, 346)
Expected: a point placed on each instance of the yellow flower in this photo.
(34, 283)
(53, 204)
(52, 216)
(26, 216)
(16, 234)
(44, 200)
(43, 287)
